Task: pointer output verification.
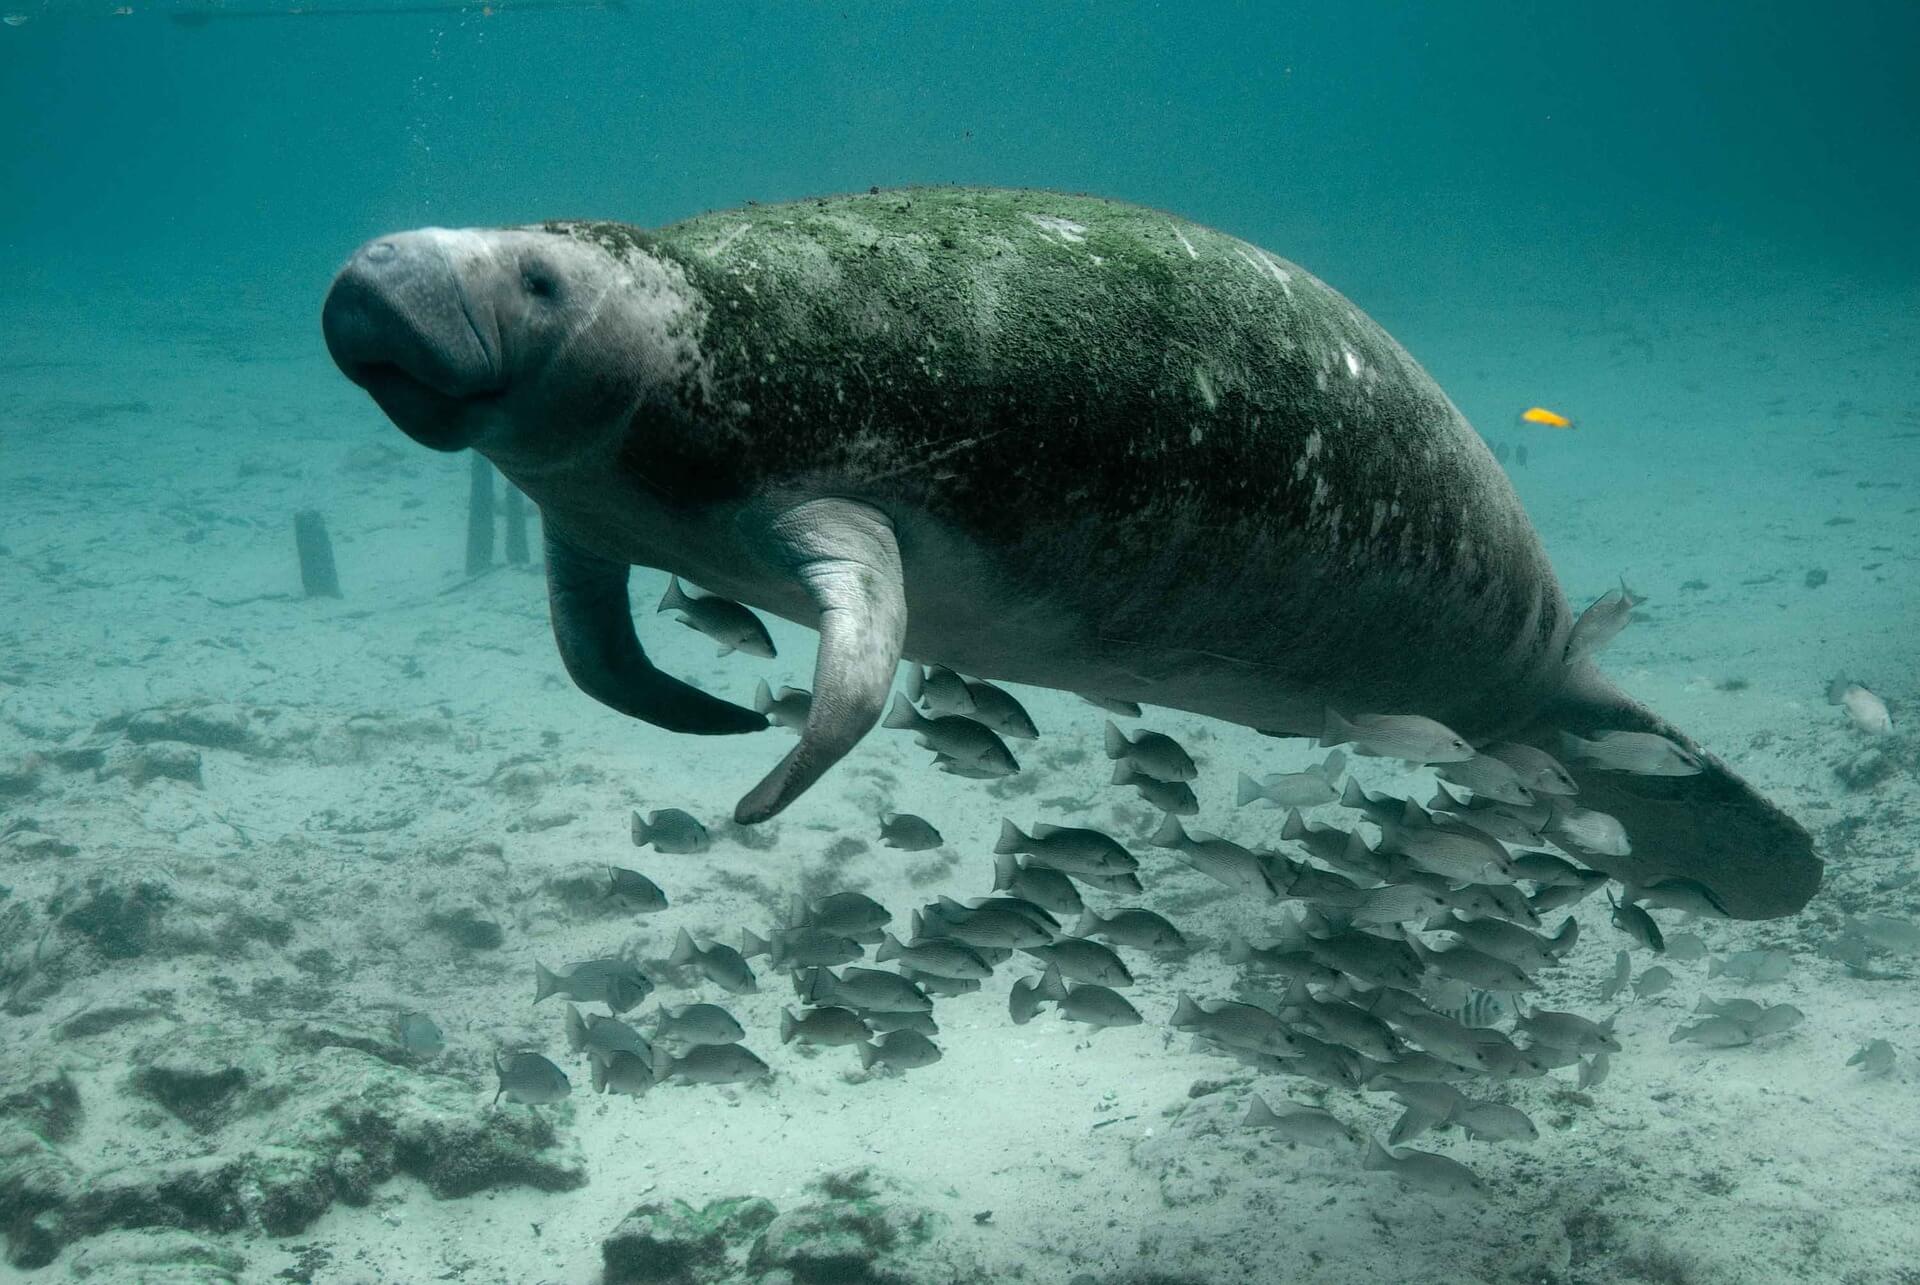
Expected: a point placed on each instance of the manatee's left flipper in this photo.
(843, 552)
(1712, 827)
(593, 625)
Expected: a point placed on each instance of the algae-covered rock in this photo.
(118, 914)
(865, 1231)
(221, 727)
(157, 1258)
(20, 775)
(466, 923)
(676, 1244)
(49, 1106)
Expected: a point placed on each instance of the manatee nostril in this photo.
(380, 252)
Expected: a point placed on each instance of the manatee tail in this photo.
(1712, 827)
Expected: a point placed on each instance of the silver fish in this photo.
(1495, 1122)
(1238, 868)
(1865, 711)
(1548, 871)
(1340, 1022)
(902, 1050)
(1652, 982)
(828, 1026)
(616, 983)
(1489, 778)
(417, 1033)
(1474, 967)
(1294, 1122)
(1540, 771)
(1068, 848)
(670, 830)
(601, 1037)
(907, 832)
(1777, 1018)
(1155, 753)
(969, 744)
(1142, 929)
(1714, 1032)
(530, 1079)
(1678, 894)
(725, 621)
(1569, 1031)
(1038, 883)
(698, 1024)
(1422, 1170)
(1752, 965)
(1288, 961)
(1098, 1006)
(1594, 1070)
(622, 1072)
(939, 690)
(1886, 933)
(720, 964)
(1875, 1057)
(633, 891)
(709, 1064)
(1686, 947)
(1508, 941)
(1370, 959)
(1641, 753)
(1453, 852)
(786, 708)
(1307, 789)
(1410, 737)
(1029, 993)
(1600, 623)
(1589, 831)
(1176, 797)
(1341, 849)
(1239, 1026)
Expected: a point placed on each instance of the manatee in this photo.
(1035, 437)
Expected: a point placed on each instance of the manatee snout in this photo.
(404, 322)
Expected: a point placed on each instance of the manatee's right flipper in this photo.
(593, 623)
(1711, 827)
(844, 554)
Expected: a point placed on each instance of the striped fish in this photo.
(1467, 1005)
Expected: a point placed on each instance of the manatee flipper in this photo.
(593, 624)
(1712, 827)
(844, 554)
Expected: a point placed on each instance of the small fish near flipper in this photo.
(1709, 826)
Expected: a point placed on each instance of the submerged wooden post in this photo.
(318, 578)
(480, 516)
(516, 526)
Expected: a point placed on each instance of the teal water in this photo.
(1691, 229)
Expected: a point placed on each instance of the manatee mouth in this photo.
(398, 322)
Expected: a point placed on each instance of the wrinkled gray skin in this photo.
(1034, 437)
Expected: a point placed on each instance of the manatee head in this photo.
(534, 340)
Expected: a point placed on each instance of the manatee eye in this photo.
(539, 282)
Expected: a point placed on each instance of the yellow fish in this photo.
(1544, 418)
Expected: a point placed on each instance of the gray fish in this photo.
(1560, 896)
(1340, 1022)
(1886, 933)
(1222, 859)
(1586, 830)
(614, 982)
(1714, 1032)
(1686, 947)
(1142, 929)
(933, 984)
(1617, 981)
(969, 744)
(1239, 1026)
(1489, 778)
(1453, 852)
(1098, 1006)
(866, 988)
(941, 956)
(1495, 1122)
(1072, 849)
(1875, 1057)
(1468, 1006)
(1084, 961)
(1752, 965)
(786, 708)
(1410, 737)
(622, 1072)
(980, 928)
(902, 1050)
(1120, 885)
(698, 1024)
(633, 891)
(828, 1026)
(725, 621)
(1593, 1071)
(1678, 894)
(1381, 809)
(984, 771)
(720, 964)
(1652, 982)
(939, 691)
(1538, 770)
(1367, 958)
(1865, 710)
(601, 1037)
(1300, 881)
(1111, 704)
(804, 947)
(1777, 1018)
(1474, 967)
(1342, 849)
(1422, 1170)
(1744, 1011)
(1507, 941)
(1154, 753)
(848, 914)
(997, 708)
(1548, 870)
(1509, 823)
(1288, 961)
(416, 1033)
(1296, 1123)
(530, 1079)
(1307, 789)
(1637, 924)
(907, 832)
(670, 830)
(883, 1022)
(1641, 753)
(1029, 993)
(1036, 915)
(709, 1064)
(1038, 883)
(1600, 623)
(1570, 1031)
(1176, 797)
